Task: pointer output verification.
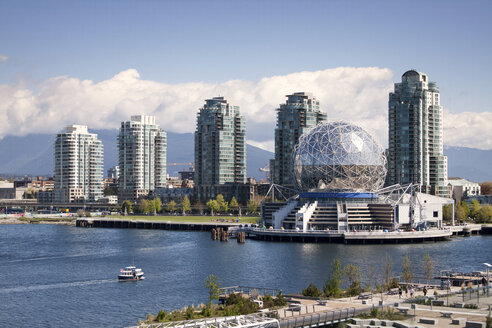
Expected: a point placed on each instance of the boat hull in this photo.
(126, 278)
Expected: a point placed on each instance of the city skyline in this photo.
(55, 69)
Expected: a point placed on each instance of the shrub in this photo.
(280, 300)
(161, 315)
(311, 291)
(190, 313)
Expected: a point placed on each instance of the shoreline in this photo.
(37, 221)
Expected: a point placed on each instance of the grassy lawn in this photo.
(190, 218)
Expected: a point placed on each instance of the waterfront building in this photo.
(78, 171)
(415, 153)
(142, 147)
(339, 170)
(462, 188)
(300, 113)
(220, 151)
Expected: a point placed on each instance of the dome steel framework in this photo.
(339, 156)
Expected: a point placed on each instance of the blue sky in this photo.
(177, 42)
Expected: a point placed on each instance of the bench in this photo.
(429, 321)
(393, 291)
(323, 303)
(403, 310)
(446, 314)
(365, 296)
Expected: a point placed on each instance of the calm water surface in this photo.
(53, 275)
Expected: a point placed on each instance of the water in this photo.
(54, 275)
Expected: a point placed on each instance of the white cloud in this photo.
(358, 95)
(3, 57)
(468, 129)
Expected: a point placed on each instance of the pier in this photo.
(348, 237)
(292, 235)
(149, 224)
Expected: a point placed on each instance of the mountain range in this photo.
(33, 155)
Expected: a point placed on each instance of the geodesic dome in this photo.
(339, 156)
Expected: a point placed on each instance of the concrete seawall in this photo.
(144, 224)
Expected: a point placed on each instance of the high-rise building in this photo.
(415, 153)
(142, 147)
(78, 166)
(220, 149)
(300, 113)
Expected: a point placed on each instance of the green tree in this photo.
(185, 205)
(352, 272)
(156, 205)
(333, 284)
(406, 269)
(447, 212)
(213, 287)
(252, 206)
(459, 212)
(171, 206)
(475, 208)
(145, 206)
(30, 193)
(428, 267)
(127, 207)
(466, 209)
(485, 214)
(311, 291)
(109, 191)
(213, 206)
(223, 206)
(233, 204)
(486, 188)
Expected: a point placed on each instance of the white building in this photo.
(462, 188)
(142, 148)
(78, 166)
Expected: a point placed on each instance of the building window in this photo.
(436, 214)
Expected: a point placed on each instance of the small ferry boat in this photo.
(131, 273)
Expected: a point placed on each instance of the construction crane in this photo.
(266, 169)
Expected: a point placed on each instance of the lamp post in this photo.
(488, 281)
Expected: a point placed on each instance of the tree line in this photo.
(213, 206)
(462, 212)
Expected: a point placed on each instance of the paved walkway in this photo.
(308, 306)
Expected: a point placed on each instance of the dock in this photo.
(285, 235)
(149, 224)
(348, 237)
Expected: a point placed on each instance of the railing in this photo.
(321, 318)
(250, 320)
(289, 231)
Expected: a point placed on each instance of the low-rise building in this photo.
(462, 188)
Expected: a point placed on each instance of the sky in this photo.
(98, 62)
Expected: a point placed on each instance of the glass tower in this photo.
(300, 113)
(78, 166)
(220, 144)
(142, 146)
(415, 153)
